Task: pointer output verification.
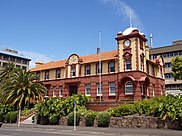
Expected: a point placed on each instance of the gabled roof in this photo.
(84, 59)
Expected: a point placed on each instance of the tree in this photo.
(21, 88)
(177, 68)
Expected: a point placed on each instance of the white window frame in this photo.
(87, 86)
(110, 93)
(126, 63)
(60, 91)
(54, 91)
(127, 86)
(46, 94)
(98, 88)
(111, 65)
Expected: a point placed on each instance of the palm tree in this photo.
(21, 89)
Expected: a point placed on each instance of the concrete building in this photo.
(8, 55)
(168, 53)
(124, 74)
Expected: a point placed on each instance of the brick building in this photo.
(123, 74)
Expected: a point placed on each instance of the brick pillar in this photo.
(137, 91)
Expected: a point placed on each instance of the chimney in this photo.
(38, 63)
(151, 43)
(98, 50)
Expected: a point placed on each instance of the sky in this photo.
(51, 30)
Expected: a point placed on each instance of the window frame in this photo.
(99, 87)
(54, 91)
(111, 67)
(127, 86)
(126, 65)
(87, 86)
(47, 75)
(111, 87)
(87, 70)
(60, 91)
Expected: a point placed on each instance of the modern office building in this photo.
(8, 55)
(168, 53)
(126, 73)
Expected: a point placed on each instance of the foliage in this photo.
(7, 117)
(25, 112)
(123, 110)
(103, 119)
(53, 119)
(90, 117)
(13, 117)
(177, 68)
(71, 118)
(1, 116)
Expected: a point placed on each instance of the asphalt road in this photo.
(58, 130)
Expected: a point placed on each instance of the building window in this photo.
(54, 91)
(24, 61)
(87, 70)
(60, 91)
(5, 64)
(99, 89)
(24, 67)
(128, 65)
(47, 92)
(142, 88)
(112, 88)
(46, 75)
(167, 65)
(5, 57)
(111, 67)
(153, 70)
(58, 73)
(99, 67)
(87, 89)
(141, 44)
(153, 90)
(18, 60)
(73, 71)
(18, 66)
(38, 74)
(129, 87)
(12, 59)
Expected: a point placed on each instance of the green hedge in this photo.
(71, 119)
(89, 118)
(103, 119)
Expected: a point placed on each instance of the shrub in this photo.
(103, 119)
(90, 117)
(71, 119)
(7, 117)
(53, 119)
(44, 120)
(1, 116)
(13, 117)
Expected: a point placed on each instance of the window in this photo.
(87, 89)
(153, 70)
(46, 75)
(18, 60)
(60, 91)
(12, 59)
(99, 68)
(128, 64)
(73, 71)
(128, 87)
(54, 91)
(111, 67)
(167, 65)
(24, 67)
(171, 54)
(142, 87)
(47, 92)
(24, 61)
(5, 57)
(99, 89)
(18, 66)
(58, 73)
(87, 68)
(153, 90)
(112, 88)
(4, 64)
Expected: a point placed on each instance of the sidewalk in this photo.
(98, 130)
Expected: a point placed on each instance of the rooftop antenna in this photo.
(130, 19)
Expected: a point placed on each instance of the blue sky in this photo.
(49, 30)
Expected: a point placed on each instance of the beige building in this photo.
(8, 55)
(168, 53)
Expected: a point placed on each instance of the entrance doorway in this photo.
(72, 90)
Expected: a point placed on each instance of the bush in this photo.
(71, 119)
(13, 117)
(44, 120)
(53, 119)
(103, 119)
(90, 117)
(7, 117)
(1, 116)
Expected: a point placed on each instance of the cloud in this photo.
(35, 57)
(122, 9)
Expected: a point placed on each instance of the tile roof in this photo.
(84, 59)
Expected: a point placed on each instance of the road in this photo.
(58, 130)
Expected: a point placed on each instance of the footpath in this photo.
(97, 130)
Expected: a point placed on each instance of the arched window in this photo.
(129, 87)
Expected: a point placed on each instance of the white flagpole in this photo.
(74, 127)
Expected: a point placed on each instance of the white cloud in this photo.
(35, 57)
(122, 9)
